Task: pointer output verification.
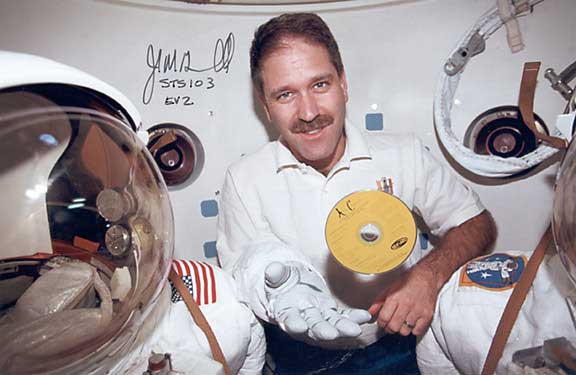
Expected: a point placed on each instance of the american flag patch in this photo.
(198, 277)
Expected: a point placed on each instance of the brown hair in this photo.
(305, 25)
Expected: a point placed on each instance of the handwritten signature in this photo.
(161, 62)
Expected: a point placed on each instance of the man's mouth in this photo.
(312, 132)
(314, 126)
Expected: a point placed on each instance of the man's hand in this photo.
(301, 304)
(407, 306)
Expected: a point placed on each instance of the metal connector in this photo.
(560, 81)
(458, 60)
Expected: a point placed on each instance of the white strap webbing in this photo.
(484, 165)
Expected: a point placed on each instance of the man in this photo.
(275, 204)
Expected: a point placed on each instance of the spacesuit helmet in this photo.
(564, 211)
(87, 224)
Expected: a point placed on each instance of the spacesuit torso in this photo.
(238, 332)
(470, 305)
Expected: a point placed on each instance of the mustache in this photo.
(320, 121)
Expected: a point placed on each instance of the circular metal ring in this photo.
(178, 153)
(501, 131)
(409, 325)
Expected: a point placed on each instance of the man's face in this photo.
(305, 98)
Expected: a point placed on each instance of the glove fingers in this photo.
(290, 321)
(318, 326)
(358, 316)
(345, 326)
(300, 302)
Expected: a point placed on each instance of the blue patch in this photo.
(493, 272)
(209, 208)
(423, 241)
(210, 249)
(374, 121)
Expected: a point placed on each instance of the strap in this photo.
(199, 319)
(526, 105)
(513, 33)
(514, 304)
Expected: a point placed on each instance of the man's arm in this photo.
(412, 298)
(246, 245)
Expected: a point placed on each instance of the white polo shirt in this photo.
(274, 208)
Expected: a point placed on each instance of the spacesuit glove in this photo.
(300, 303)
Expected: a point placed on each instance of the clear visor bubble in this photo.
(88, 236)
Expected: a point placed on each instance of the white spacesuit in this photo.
(470, 306)
(88, 239)
(239, 333)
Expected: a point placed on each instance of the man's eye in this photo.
(284, 96)
(321, 85)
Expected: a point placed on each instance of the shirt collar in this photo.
(356, 149)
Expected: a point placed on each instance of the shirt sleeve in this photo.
(246, 244)
(441, 198)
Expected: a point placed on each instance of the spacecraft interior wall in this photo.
(187, 64)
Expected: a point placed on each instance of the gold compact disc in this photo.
(370, 232)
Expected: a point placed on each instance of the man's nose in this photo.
(308, 108)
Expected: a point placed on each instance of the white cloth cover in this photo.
(470, 305)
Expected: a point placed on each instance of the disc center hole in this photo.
(370, 232)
